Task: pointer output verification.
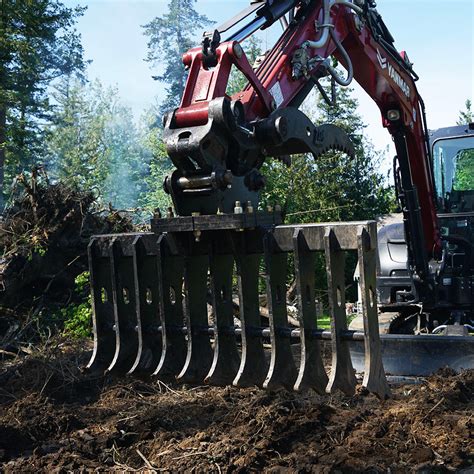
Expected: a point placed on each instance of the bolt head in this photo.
(238, 209)
(282, 126)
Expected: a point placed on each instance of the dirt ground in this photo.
(53, 418)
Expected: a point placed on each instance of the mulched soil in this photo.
(55, 418)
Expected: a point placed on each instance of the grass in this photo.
(324, 321)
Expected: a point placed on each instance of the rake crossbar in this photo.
(163, 304)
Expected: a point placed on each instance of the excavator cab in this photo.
(453, 171)
(453, 166)
(449, 313)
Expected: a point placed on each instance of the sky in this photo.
(438, 36)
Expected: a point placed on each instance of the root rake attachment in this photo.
(151, 293)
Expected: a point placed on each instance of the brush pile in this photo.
(44, 234)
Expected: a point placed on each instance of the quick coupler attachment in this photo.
(201, 303)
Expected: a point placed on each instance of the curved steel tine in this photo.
(124, 304)
(282, 371)
(253, 367)
(147, 307)
(102, 309)
(226, 356)
(311, 371)
(342, 374)
(199, 356)
(374, 374)
(170, 268)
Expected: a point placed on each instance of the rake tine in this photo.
(226, 357)
(311, 372)
(123, 299)
(342, 375)
(282, 371)
(200, 355)
(253, 367)
(374, 374)
(170, 268)
(102, 310)
(147, 306)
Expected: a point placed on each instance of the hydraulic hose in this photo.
(348, 4)
(326, 26)
(328, 31)
(347, 59)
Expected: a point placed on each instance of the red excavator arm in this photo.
(352, 32)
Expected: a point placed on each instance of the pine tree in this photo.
(464, 180)
(170, 36)
(127, 160)
(76, 146)
(159, 167)
(467, 115)
(94, 143)
(38, 44)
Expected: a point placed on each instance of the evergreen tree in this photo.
(94, 143)
(77, 151)
(169, 37)
(467, 115)
(464, 180)
(127, 161)
(38, 43)
(334, 187)
(159, 166)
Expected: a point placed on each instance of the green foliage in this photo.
(94, 143)
(38, 249)
(324, 322)
(169, 37)
(335, 187)
(467, 115)
(159, 166)
(77, 320)
(464, 179)
(77, 317)
(38, 44)
(76, 147)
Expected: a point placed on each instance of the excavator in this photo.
(163, 300)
